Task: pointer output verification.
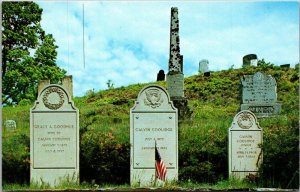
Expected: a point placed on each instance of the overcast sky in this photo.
(128, 42)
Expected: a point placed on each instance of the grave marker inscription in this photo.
(245, 137)
(54, 137)
(259, 95)
(153, 119)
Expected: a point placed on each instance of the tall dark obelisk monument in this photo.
(175, 76)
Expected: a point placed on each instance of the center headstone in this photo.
(259, 95)
(245, 137)
(153, 124)
(54, 137)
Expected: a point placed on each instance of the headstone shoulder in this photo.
(245, 120)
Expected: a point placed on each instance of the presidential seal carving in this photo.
(245, 121)
(153, 98)
(53, 98)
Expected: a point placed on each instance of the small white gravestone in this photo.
(153, 121)
(203, 66)
(10, 124)
(54, 137)
(245, 137)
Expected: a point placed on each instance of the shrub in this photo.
(25, 102)
(103, 159)
(16, 159)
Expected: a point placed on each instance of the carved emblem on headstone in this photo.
(245, 121)
(244, 145)
(153, 120)
(153, 98)
(51, 94)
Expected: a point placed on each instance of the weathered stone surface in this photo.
(175, 77)
(175, 59)
(259, 94)
(10, 124)
(250, 59)
(160, 75)
(153, 119)
(54, 137)
(67, 83)
(203, 66)
(245, 137)
(184, 112)
(175, 85)
(42, 84)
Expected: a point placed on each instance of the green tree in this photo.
(28, 54)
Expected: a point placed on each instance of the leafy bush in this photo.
(16, 158)
(25, 102)
(281, 155)
(103, 159)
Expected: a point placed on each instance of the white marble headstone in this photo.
(203, 66)
(54, 137)
(153, 118)
(245, 137)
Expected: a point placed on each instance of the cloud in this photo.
(128, 42)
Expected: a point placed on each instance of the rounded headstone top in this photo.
(245, 120)
(153, 97)
(54, 98)
(250, 56)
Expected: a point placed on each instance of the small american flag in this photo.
(160, 168)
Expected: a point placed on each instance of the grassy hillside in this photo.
(214, 100)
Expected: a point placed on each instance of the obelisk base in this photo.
(184, 112)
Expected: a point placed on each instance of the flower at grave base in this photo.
(110, 135)
(251, 177)
(27, 160)
(119, 146)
